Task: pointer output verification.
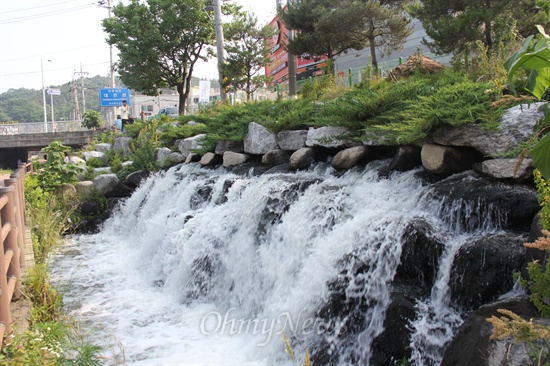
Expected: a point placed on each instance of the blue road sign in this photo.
(113, 97)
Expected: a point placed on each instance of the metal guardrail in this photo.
(12, 240)
(40, 127)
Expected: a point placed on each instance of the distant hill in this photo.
(25, 105)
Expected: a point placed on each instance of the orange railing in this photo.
(12, 238)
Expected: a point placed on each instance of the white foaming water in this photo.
(205, 268)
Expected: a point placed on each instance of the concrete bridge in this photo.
(17, 140)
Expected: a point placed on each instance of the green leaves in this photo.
(541, 156)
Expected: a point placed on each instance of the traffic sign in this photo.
(113, 97)
(54, 91)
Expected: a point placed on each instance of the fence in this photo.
(40, 127)
(12, 235)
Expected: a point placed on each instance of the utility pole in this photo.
(219, 43)
(291, 65)
(82, 73)
(75, 96)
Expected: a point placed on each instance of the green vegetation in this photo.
(52, 338)
(92, 119)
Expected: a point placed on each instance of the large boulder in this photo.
(489, 263)
(473, 201)
(122, 144)
(175, 158)
(134, 179)
(109, 186)
(472, 346)
(94, 154)
(186, 146)
(445, 160)
(103, 147)
(330, 137)
(85, 187)
(162, 156)
(507, 169)
(350, 157)
(516, 127)
(292, 140)
(259, 140)
(416, 63)
(210, 159)
(231, 158)
(302, 158)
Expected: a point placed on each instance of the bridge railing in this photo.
(40, 127)
(12, 243)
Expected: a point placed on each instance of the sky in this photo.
(58, 39)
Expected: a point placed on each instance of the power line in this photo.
(42, 15)
(53, 53)
(36, 7)
(58, 69)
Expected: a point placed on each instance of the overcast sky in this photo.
(69, 33)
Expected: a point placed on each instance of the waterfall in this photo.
(207, 267)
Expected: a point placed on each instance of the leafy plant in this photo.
(92, 119)
(144, 147)
(54, 172)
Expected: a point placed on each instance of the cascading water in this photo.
(204, 267)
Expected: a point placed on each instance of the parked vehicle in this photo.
(170, 112)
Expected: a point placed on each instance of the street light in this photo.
(44, 95)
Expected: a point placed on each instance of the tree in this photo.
(334, 27)
(247, 53)
(455, 26)
(159, 43)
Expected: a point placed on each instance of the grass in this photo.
(52, 338)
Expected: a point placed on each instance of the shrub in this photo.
(92, 119)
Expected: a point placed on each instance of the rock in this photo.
(226, 145)
(175, 158)
(276, 157)
(192, 158)
(507, 169)
(231, 158)
(302, 158)
(94, 154)
(162, 156)
(85, 187)
(331, 137)
(134, 179)
(406, 158)
(77, 161)
(418, 63)
(471, 345)
(420, 255)
(109, 186)
(68, 190)
(259, 140)
(279, 169)
(249, 169)
(489, 263)
(350, 157)
(127, 163)
(122, 144)
(516, 127)
(103, 147)
(292, 140)
(445, 160)
(473, 201)
(211, 159)
(186, 146)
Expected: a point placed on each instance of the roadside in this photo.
(20, 308)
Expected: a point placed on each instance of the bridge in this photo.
(16, 140)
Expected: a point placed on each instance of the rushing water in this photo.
(203, 267)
